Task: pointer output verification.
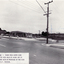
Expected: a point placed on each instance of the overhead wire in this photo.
(24, 6)
(41, 6)
(58, 12)
(55, 7)
(28, 4)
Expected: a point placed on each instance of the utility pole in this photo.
(46, 13)
(47, 18)
(39, 33)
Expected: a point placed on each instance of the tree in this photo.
(44, 34)
(0, 29)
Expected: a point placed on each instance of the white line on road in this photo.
(2, 45)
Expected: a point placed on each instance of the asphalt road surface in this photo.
(38, 53)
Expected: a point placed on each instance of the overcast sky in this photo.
(27, 16)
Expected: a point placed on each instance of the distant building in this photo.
(28, 35)
(57, 35)
(21, 34)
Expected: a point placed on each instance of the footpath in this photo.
(58, 45)
(53, 43)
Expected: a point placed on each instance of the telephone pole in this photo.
(46, 13)
(47, 18)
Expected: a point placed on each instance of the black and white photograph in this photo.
(32, 30)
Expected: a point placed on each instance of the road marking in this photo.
(43, 44)
(34, 55)
(2, 45)
(46, 44)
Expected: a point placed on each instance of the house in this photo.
(21, 34)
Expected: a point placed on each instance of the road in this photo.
(38, 53)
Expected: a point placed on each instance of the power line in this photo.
(41, 6)
(24, 6)
(28, 4)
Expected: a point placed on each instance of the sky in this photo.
(28, 16)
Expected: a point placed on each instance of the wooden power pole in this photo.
(47, 17)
